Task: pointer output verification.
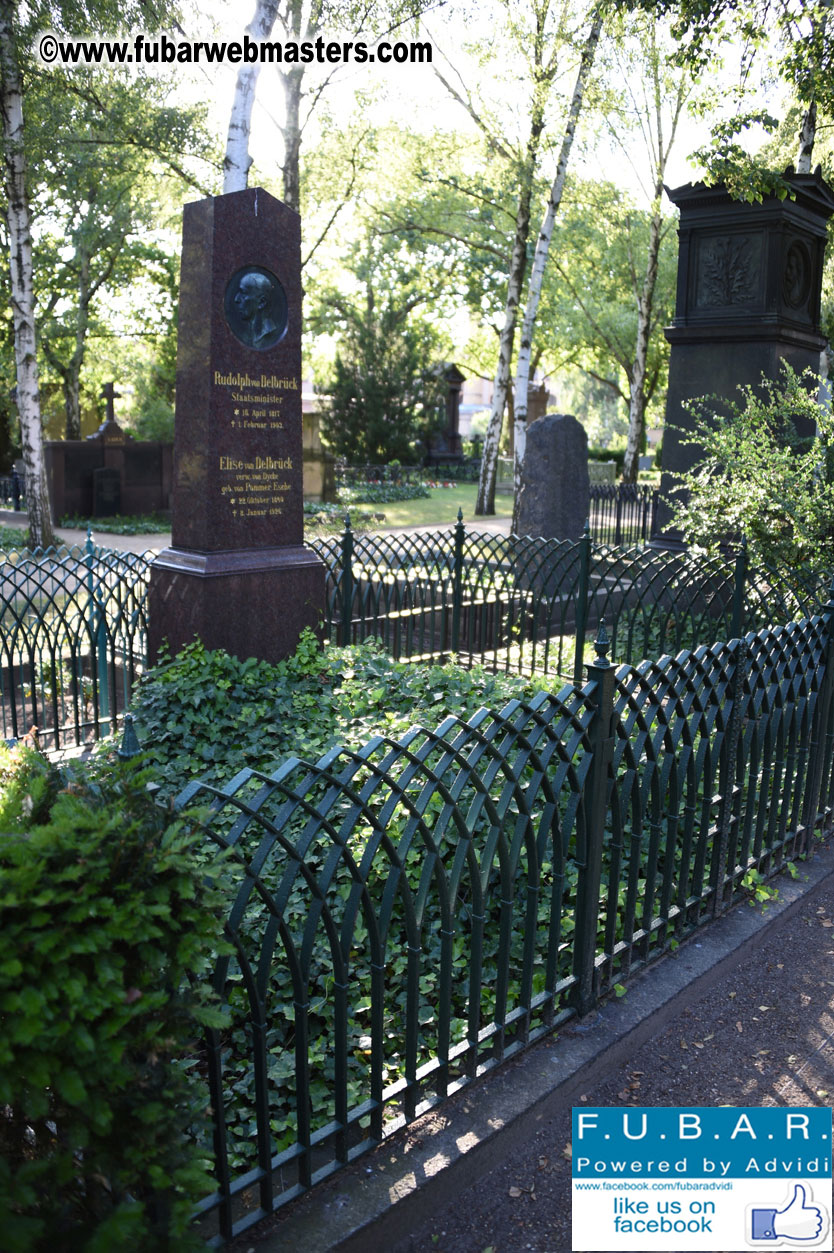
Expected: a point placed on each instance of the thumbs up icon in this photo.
(797, 1221)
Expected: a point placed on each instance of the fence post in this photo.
(819, 749)
(581, 616)
(457, 585)
(98, 637)
(346, 581)
(740, 579)
(594, 807)
(618, 517)
(727, 781)
(16, 490)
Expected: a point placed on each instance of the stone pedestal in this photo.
(748, 298)
(237, 574)
(555, 499)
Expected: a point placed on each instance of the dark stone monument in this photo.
(555, 498)
(107, 492)
(237, 574)
(445, 446)
(748, 298)
(139, 471)
(537, 398)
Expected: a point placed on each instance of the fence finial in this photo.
(130, 746)
(602, 645)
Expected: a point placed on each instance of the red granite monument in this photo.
(237, 574)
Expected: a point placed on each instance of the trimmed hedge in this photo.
(110, 923)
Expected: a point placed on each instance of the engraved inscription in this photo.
(257, 473)
(255, 305)
(727, 272)
(255, 487)
(257, 399)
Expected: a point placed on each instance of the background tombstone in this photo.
(555, 499)
(444, 446)
(748, 298)
(107, 492)
(237, 574)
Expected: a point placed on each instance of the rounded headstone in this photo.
(556, 494)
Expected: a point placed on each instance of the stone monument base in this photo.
(250, 602)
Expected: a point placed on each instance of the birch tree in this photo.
(22, 284)
(299, 21)
(546, 40)
(237, 160)
(522, 378)
(789, 39)
(18, 24)
(588, 317)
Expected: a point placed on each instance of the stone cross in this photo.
(108, 393)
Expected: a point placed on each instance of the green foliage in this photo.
(107, 917)
(760, 892)
(617, 455)
(590, 315)
(128, 524)
(155, 420)
(382, 493)
(208, 714)
(760, 480)
(386, 393)
(323, 518)
(12, 537)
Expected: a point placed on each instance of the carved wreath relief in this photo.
(255, 305)
(728, 271)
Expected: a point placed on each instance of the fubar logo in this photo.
(708, 1179)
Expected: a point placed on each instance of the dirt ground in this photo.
(764, 1035)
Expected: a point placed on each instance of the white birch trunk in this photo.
(489, 459)
(292, 137)
(534, 285)
(22, 284)
(637, 376)
(807, 135)
(485, 503)
(237, 160)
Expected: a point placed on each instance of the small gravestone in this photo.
(237, 574)
(107, 493)
(555, 498)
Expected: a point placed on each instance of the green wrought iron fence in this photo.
(407, 916)
(525, 604)
(72, 621)
(623, 513)
(72, 640)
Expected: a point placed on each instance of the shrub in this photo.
(617, 455)
(107, 918)
(759, 479)
(381, 493)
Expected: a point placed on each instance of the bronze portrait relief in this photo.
(796, 283)
(255, 305)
